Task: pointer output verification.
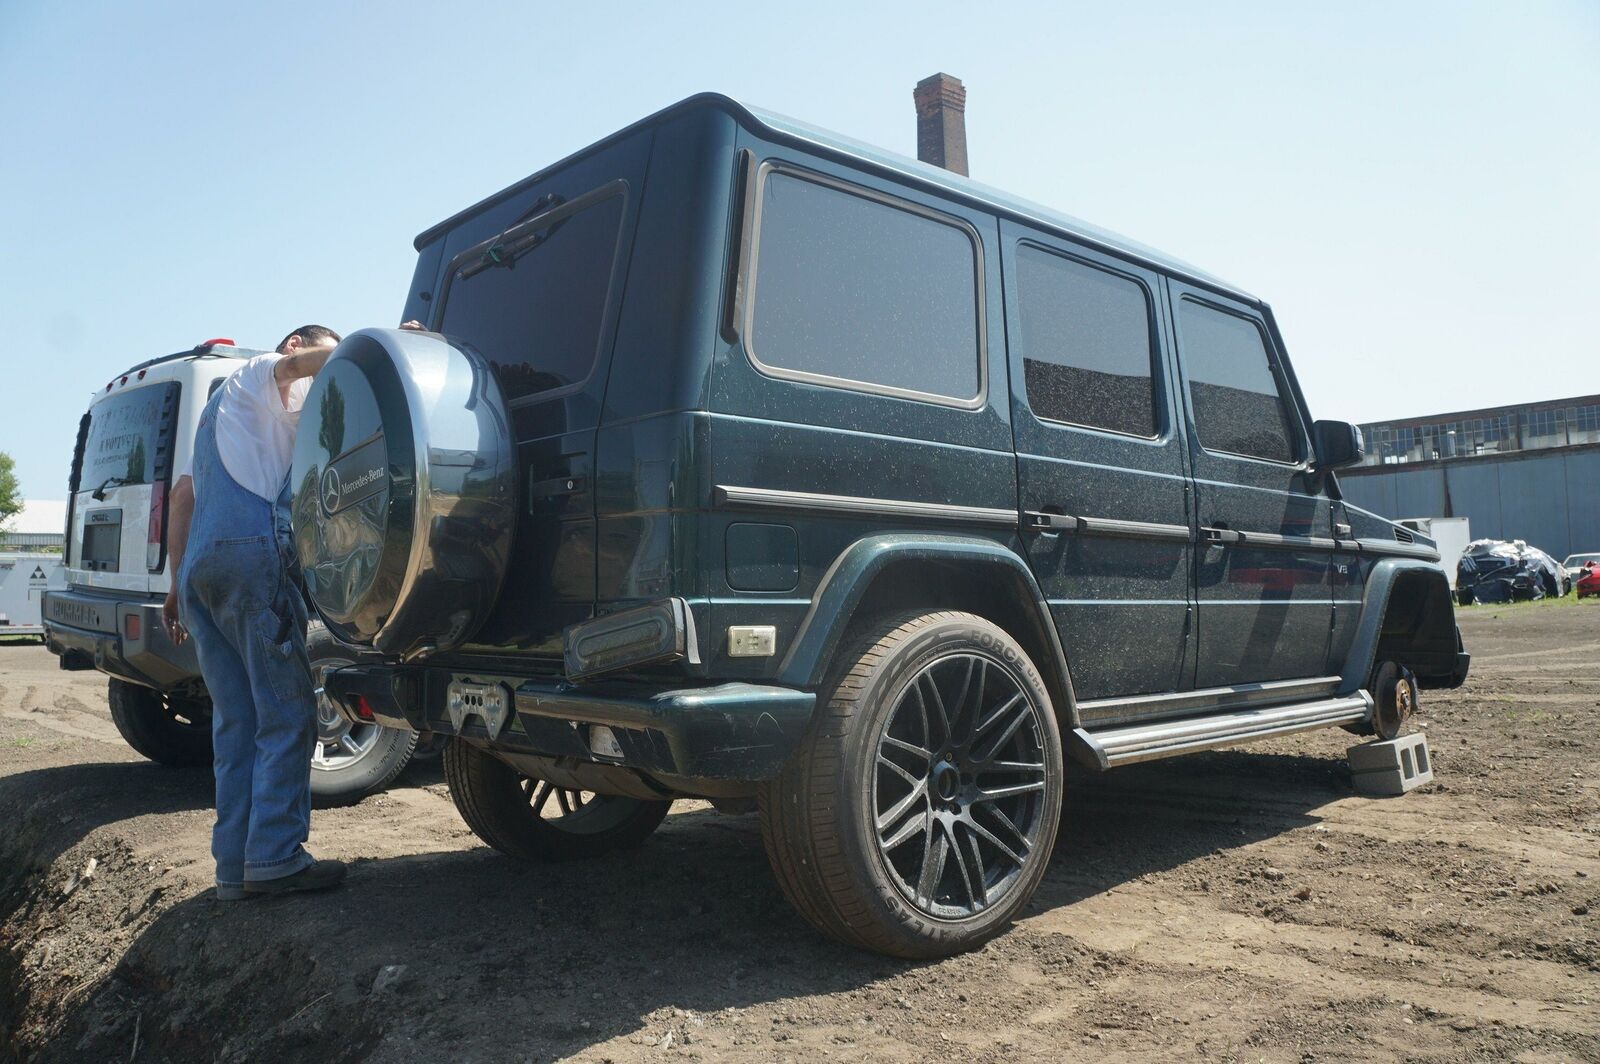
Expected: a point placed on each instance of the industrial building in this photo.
(40, 526)
(1529, 472)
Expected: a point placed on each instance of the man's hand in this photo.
(169, 619)
(414, 325)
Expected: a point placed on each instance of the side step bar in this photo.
(1111, 747)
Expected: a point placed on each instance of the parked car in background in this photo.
(746, 463)
(1574, 563)
(24, 578)
(1589, 579)
(1496, 570)
(107, 613)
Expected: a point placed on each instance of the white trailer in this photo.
(24, 578)
(1450, 534)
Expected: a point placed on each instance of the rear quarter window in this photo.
(856, 290)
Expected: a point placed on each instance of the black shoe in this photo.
(321, 875)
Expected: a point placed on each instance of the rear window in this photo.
(1233, 385)
(130, 437)
(533, 302)
(1087, 345)
(857, 291)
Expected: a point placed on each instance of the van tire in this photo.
(819, 819)
(497, 802)
(169, 729)
(384, 753)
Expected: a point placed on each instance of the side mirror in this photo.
(1338, 443)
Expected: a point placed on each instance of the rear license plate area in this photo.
(102, 541)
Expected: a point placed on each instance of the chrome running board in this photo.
(1110, 747)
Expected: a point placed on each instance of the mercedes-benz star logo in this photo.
(331, 490)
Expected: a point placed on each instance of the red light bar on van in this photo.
(218, 341)
(154, 538)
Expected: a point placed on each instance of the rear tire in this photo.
(350, 761)
(169, 729)
(533, 821)
(897, 832)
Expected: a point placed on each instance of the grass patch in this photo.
(1566, 602)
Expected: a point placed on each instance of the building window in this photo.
(1087, 344)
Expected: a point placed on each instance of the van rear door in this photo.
(533, 282)
(119, 488)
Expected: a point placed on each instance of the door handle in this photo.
(1047, 523)
(1343, 531)
(1218, 537)
(555, 487)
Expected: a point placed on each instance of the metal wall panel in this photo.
(1583, 503)
(1551, 500)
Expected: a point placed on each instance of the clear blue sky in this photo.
(1411, 185)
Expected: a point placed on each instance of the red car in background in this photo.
(1588, 582)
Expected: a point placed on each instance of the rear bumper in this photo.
(730, 731)
(93, 632)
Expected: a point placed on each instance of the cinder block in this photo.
(1394, 767)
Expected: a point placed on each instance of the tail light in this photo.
(155, 541)
(362, 707)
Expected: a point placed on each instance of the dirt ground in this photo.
(1228, 906)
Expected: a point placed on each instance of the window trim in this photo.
(559, 212)
(1157, 362)
(747, 314)
(1274, 366)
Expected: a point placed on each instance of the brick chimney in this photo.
(942, 122)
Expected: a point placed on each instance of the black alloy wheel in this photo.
(959, 788)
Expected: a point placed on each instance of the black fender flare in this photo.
(842, 588)
(1380, 585)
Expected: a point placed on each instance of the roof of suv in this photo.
(778, 127)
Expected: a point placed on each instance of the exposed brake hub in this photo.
(1395, 699)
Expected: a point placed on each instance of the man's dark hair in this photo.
(310, 334)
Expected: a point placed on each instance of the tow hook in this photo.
(490, 702)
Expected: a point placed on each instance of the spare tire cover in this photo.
(404, 491)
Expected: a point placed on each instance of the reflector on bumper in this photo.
(661, 631)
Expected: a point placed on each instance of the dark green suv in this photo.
(746, 463)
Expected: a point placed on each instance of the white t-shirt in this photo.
(255, 429)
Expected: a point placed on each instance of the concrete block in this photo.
(1394, 767)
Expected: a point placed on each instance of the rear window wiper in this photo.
(506, 253)
(110, 482)
(517, 241)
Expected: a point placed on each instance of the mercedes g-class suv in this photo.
(137, 431)
(746, 463)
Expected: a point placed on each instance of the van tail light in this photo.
(155, 541)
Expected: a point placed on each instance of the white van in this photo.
(24, 578)
(138, 431)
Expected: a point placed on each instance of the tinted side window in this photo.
(851, 288)
(1086, 342)
(1238, 406)
(537, 314)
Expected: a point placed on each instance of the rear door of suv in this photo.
(119, 487)
(533, 281)
(1100, 460)
(1263, 566)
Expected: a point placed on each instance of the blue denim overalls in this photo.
(240, 600)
